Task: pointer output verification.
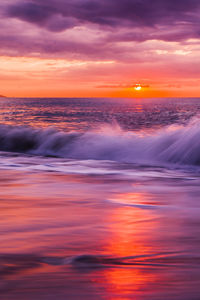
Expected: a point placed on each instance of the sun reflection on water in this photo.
(128, 240)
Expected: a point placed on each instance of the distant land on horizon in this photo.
(1, 96)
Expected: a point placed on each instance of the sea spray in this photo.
(173, 144)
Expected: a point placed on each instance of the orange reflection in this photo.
(136, 199)
(139, 107)
(129, 238)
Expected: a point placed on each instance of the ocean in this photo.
(99, 198)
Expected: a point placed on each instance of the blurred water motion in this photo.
(63, 231)
(98, 226)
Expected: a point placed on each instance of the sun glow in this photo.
(137, 87)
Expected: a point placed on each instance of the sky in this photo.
(100, 48)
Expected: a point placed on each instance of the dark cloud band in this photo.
(111, 13)
(119, 23)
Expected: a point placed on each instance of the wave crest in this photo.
(174, 144)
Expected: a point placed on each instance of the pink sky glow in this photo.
(98, 48)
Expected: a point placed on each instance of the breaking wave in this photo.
(173, 144)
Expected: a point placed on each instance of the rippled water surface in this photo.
(105, 205)
(83, 114)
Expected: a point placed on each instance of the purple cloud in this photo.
(110, 29)
(30, 12)
(111, 13)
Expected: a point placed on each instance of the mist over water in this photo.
(99, 199)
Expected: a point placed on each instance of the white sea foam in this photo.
(179, 145)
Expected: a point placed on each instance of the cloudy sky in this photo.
(100, 48)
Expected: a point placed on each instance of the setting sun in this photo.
(137, 87)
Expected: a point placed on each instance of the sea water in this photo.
(99, 198)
